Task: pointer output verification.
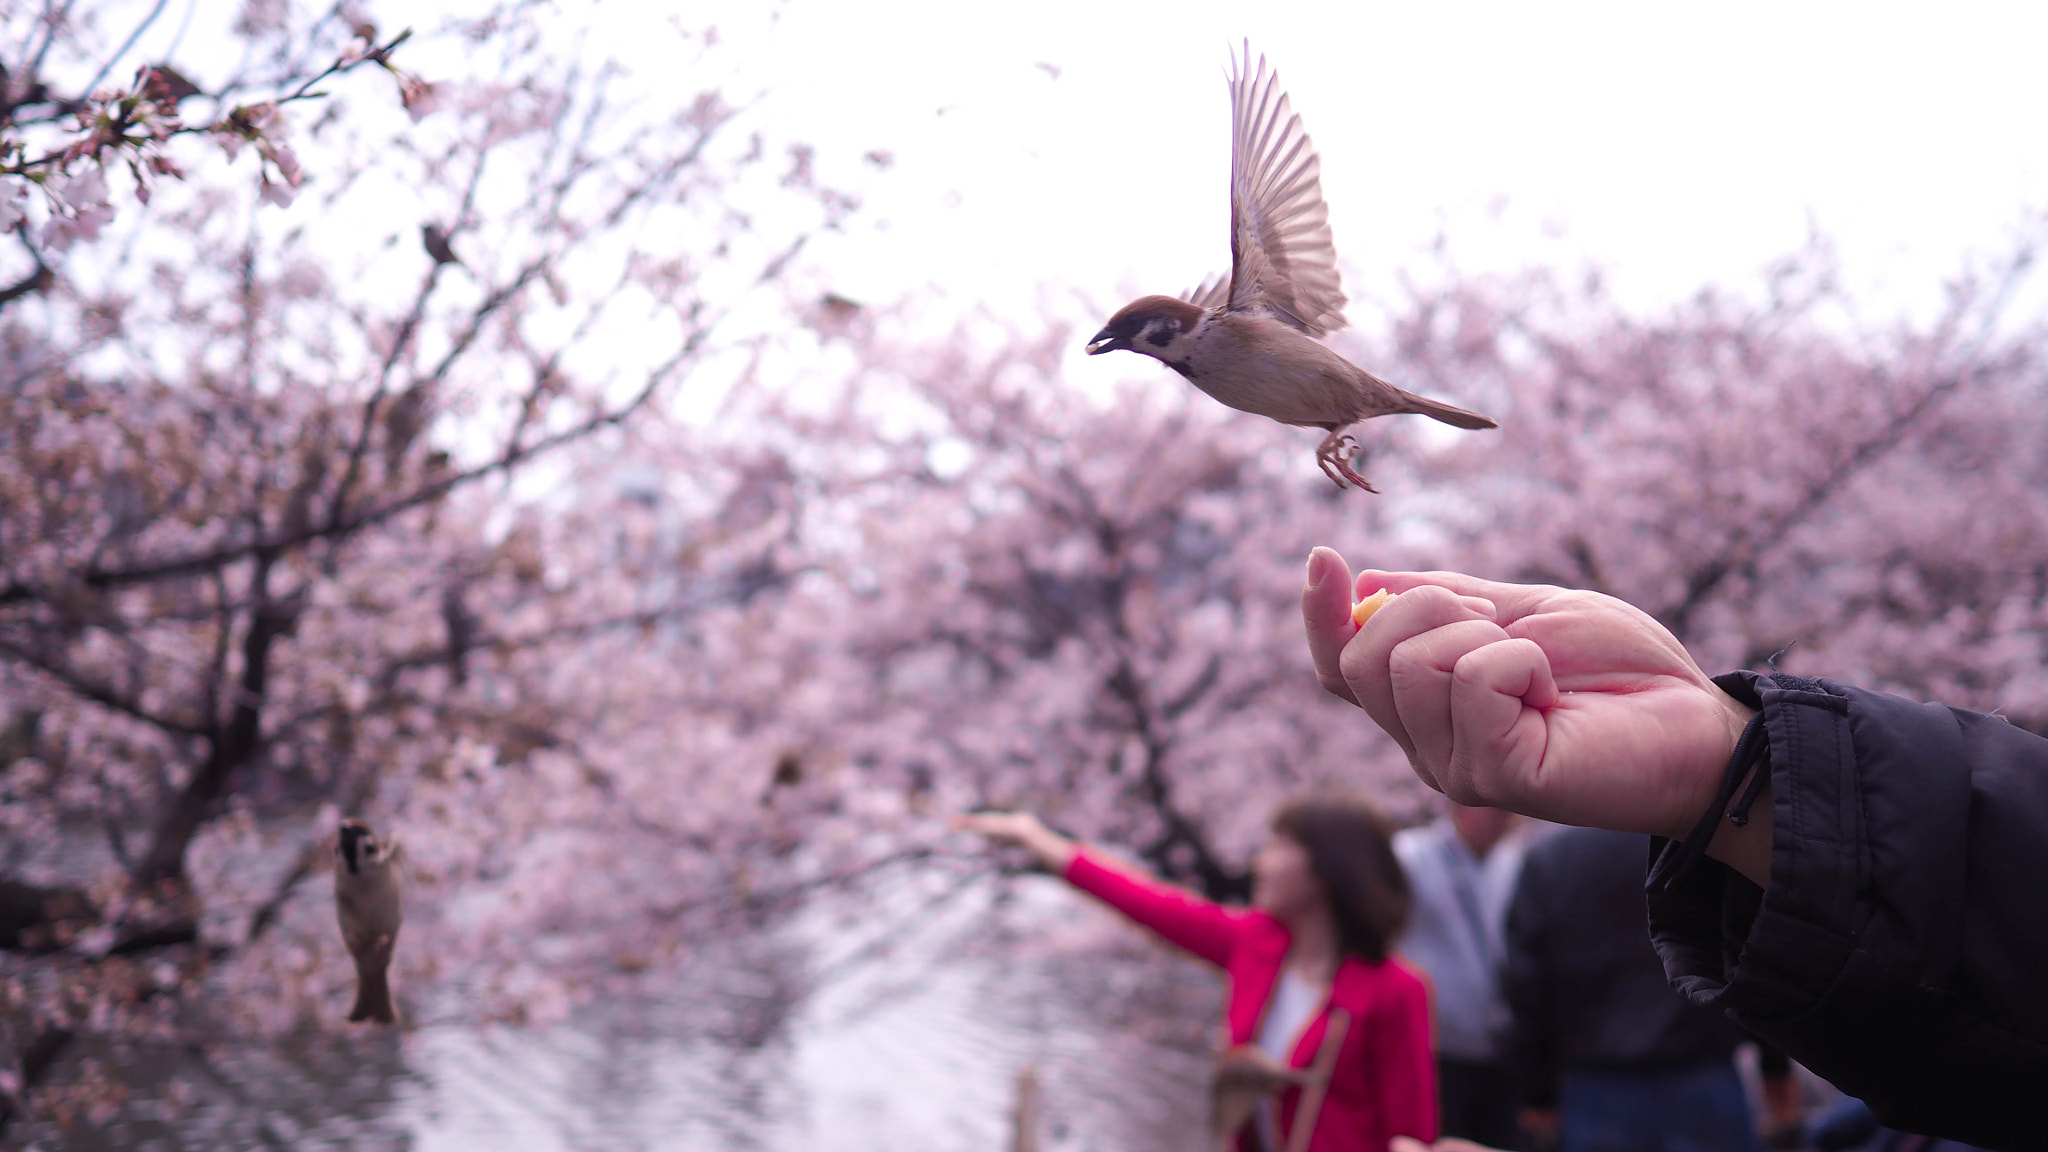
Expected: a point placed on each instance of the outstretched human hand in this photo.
(1565, 705)
(1024, 830)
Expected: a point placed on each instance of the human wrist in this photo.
(1747, 847)
(1744, 842)
(1054, 851)
(1732, 821)
(1702, 780)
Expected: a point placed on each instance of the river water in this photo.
(831, 1033)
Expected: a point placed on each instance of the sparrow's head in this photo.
(1150, 324)
(357, 847)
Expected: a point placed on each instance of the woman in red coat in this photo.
(1308, 963)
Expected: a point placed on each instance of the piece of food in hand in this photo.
(370, 906)
(1363, 610)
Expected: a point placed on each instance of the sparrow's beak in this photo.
(1103, 342)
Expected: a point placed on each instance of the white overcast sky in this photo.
(1070, 154)
(1674, 145)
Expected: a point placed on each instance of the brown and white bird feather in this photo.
(1251, 341)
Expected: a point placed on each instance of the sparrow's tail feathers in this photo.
(1448, 413)
(373, 998)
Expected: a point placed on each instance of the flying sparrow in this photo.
(369, 905)
(1249, 341)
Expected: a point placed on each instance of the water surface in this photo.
(888, 1025)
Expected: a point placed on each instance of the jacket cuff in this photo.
(1774, 953)
(1871, 957)
(1801, 951)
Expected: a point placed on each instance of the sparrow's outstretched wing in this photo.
(1212, 292)
(1282, 260)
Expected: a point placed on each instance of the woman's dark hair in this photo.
(1352, 856)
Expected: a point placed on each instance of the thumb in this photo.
(1326, 613)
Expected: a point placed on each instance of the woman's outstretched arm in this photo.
(1201, 927)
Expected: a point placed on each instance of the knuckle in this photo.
(1476, 667)
(1462, 789)
(1407, 664)
(1354, 663)
(1431, 596)
(1424, 772)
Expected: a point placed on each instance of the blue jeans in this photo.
(1691, 1108)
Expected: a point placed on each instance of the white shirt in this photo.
(1456, 932)
(1293, 1005)
(1294, 1001)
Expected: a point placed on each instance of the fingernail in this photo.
(1480, 605)
(1318, 567)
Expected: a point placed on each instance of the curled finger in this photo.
(1420, 670)
(1498, 731)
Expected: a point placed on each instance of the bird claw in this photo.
(1335, 458)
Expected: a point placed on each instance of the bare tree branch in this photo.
(98, 693)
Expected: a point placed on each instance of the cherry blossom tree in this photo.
(1766, 475)
(1083, 606)
(304, 500)
(1007, 593)
(1087, 607)
(68, 123)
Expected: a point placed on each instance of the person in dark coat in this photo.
(1607, 1054)
(1858, 878)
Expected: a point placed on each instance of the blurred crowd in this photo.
(1557, 1027)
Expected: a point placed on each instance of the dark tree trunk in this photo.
(233, 743)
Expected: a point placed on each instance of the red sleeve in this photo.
(1185, 920)
(1408, 1057)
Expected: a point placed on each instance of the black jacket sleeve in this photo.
(1901, 949)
